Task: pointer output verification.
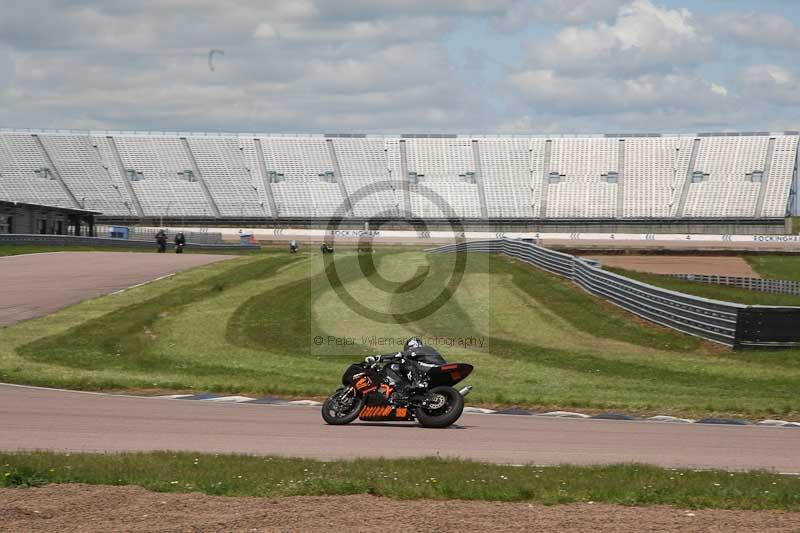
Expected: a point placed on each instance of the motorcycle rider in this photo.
(161, 240)
(414, 360)
(180, 242)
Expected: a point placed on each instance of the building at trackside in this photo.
(34, 219)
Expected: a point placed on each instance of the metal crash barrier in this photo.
(723, 322)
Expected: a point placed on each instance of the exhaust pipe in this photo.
(466, 390)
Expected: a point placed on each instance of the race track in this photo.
(34, 285)
(34, 418)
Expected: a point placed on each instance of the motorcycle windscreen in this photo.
(449, 374)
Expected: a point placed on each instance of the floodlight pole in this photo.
(674, 174)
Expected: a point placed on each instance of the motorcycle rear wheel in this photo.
(444, 415)
(336, 414)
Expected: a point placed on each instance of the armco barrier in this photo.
(71, 240)
(723, 322)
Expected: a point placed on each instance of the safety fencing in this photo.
(723, 322)
(773, 286)
(140, 233)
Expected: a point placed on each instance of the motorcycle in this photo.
(373, 392)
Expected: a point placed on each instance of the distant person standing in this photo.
(161, 240)
(180, 242)
(293, 246)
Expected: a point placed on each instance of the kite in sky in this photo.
(211, 57)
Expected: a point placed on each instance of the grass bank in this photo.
(233, 475)
(776, 266)
(251, 325)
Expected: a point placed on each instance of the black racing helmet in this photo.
(413, 342)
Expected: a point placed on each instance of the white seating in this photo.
(581, 191)
(233, 183)
(20, 158)
(780, 176)
(155, 157)
(171, 198)
(364, 164)
(160, 160)
(512, 169)
(727, 192)
(655, 172)
(80, 165)
(302, 193)
(441, 166)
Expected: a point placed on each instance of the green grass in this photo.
(776, 266)
(248, 326)
(231, 475)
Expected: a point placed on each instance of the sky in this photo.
(401, 66)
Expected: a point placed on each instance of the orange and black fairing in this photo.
(364, 383)
(384, 413)
(363, 380)
(449, 374)
(377, 407)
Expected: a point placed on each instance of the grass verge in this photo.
(430, 478)
(776, 266)
(246, 326)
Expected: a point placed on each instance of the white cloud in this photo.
(642, 65)
(378, 65)
(7, 68)
(759, 29)
(601, 95)
(295, 9)
(643, 38)
(523, 13)
(417, 65)
(112, 66)
(265, 31)
(719, 89)
(391, 30)
(771, 83)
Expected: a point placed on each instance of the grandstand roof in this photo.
(11, 203)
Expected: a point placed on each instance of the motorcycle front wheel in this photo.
(446, 410)
(341, 408)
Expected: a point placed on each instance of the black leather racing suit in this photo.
(414, 364)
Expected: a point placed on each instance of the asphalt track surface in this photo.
(47, 419)
(33, 285)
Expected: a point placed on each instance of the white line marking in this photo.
(142, 284)
(310, 403)
(230, 399)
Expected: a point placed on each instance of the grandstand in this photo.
(493, 181)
